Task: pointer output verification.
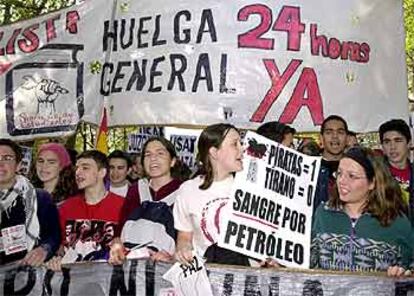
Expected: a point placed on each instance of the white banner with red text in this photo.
(200, 62)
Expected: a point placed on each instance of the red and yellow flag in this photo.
(102, 138)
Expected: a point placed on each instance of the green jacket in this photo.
(366, 246)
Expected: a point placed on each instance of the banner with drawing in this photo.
(271, 204)
(197, 63)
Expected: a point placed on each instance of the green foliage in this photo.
(16, 10)
(409, 45)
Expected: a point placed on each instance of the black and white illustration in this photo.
(45, 93)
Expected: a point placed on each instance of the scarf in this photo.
(22, 188)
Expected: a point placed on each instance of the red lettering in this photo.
(334, 48)
(50, 28)
(30, 42)
(318, 41)
(364, 53)
(252, 38)
(278, 83)
(307, 84)
(288, 20)
(1, 49)
(10, 44)
(72, 18)
(4, 67)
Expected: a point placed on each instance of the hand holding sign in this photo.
(189, 279)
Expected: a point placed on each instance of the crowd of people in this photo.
(118, 206)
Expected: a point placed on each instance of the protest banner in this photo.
(197, 63)
(271, 204)
(185, 143)
(137, 140)
(140, 277)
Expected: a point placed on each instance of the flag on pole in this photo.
(102, 138)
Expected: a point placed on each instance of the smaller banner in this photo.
(140, 277)
(26, 161)
(137, 141)
(185, 143)
(272, 200)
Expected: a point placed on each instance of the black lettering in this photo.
(131, 33)
(402, 288)
(10, 277)
(223, 76)
(197, 264)
(138, 75)
(207, 19)
(237, 203)
(298, 253)
(312, 288)
(286, 216)
(299, 166)
(252, 231)
(270, 245)
(231, 231)
(228, 284)
(260, 242)
(186, 32)
(156, 35)
(110, 35)
(240, 236)
(154, 73)
(251, 286)
(106, 91)
(119, 75)
(118, 280)
(149, 278)
(274, 286)
(301, 224)
(177, 72)
(203, 64)
(288, 250)
(142, 31)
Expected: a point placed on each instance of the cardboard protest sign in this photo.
(271, 204)
(191, 279)
(136, 141)
(197, 63)
(185, 143)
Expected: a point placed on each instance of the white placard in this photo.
(185, 143)
(137, 140)
(271, 204)
(189, 280)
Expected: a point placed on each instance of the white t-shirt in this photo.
(122, 191)
(200, 211)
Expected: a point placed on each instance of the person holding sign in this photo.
(54, 172)
(201, 200)
(363, 226)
